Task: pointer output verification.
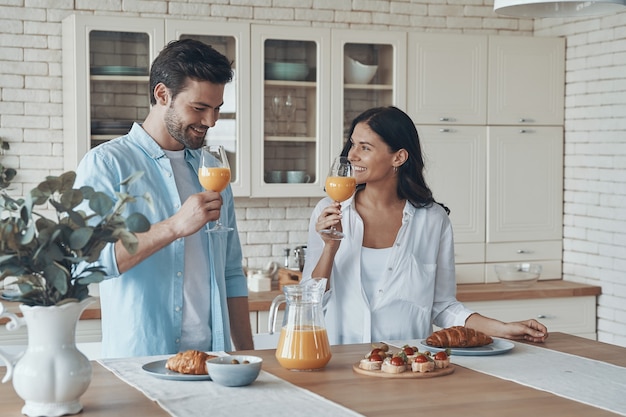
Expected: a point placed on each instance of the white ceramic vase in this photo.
(52, 373)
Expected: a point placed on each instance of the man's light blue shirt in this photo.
(142, 308)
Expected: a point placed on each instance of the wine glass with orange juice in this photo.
(340, 186)
(214, 175)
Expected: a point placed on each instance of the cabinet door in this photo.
(233, 127)
(370, 71)
(447, 78)
(290, 111)
(525, 184)
(526, 80)
(106, 62)
(454, 158)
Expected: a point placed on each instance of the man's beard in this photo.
(178, 132)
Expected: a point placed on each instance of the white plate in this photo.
(158, 370)
(498, 347)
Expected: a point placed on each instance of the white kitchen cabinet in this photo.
(574, 315)
(525, 183)
(447, 79)
(455, 161)
(291, 102)
(526, 80)
(106, 63)
(386, 50)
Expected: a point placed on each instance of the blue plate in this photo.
(158, 370)
(498, 347)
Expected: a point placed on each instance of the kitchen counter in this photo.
(261, 301)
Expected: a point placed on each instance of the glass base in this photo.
(332, 233)
(219, 228)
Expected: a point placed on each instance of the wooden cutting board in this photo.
(408, 374)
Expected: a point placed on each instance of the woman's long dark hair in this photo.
(398, 131)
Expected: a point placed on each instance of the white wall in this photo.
(595, 232)
(595, 162)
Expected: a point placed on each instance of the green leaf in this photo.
(128, 239)
(66, 181)
(137, 223)
(100, 203)
(71, 198)
(93, 278)
(132, 178)
(58, 277)
(80, 237)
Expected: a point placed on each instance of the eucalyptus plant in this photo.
(55, 261)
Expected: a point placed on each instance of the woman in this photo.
(392, 276)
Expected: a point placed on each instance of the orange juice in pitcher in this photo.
(303, 344)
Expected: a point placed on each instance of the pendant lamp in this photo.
(563, 8)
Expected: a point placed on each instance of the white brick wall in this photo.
(595, 151)
(595, 162)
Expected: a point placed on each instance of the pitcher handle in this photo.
(271, 321)
(14, 323)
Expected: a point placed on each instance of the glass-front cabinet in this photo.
(366, 69)
(285, 115)
(230, 39)
(290, 108)
(106, 62)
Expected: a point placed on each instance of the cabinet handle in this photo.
(444, 119)
(523, 120)
(541, 316)
(445, 130)
(524, 251)
(524, 131)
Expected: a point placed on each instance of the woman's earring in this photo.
(395, 169)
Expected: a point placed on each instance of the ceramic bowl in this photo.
(223, 371)
(518, 274)
(357, 73)
(289, 71)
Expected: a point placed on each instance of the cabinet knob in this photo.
(524, 120)
(524, 251)
(541, 316)
(524, 131)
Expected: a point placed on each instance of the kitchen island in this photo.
(464, 392)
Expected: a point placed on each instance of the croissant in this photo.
(189, 362)
(458, 337)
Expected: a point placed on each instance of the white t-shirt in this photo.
(196, 331)
(373, 263)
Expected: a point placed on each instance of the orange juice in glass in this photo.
(214, 179)
(340, 185)
(340, 188)
(214, 175)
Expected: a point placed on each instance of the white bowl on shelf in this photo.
(357, 73)
(518, 274)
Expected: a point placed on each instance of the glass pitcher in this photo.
(303, 343)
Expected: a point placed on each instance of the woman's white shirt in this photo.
(417, 286)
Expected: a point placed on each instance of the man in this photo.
(184, 288)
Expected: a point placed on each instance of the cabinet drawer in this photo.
(574, 315)
(470, 274)
(524, 251)
(467, 253)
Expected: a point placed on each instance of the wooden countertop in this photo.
(261, 301)
(465, 392)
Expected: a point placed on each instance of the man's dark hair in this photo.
(188, 58)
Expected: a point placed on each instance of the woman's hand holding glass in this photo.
(340, 186)
(214, 175)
